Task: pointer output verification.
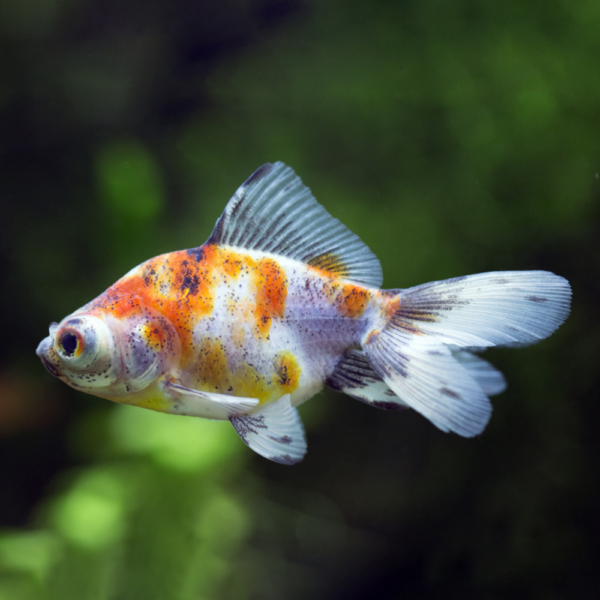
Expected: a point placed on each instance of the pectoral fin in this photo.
(274, 432)
(187, 401)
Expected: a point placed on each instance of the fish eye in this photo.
(80, 341)
(84, 351)
(69, 343)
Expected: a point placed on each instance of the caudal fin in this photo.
(418, 352)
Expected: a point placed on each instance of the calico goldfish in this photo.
(282, 300)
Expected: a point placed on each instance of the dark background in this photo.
(454, 137)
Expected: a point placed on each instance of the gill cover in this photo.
(149, 347)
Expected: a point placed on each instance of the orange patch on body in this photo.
(392, 306)
(407, 317)
(179, 285)
(271, 293)
(288, 371)
(372, 336)
(352, 301)
(230, 264)
(183, 285)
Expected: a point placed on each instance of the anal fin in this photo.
(274, 431)
(354, 376)
(442, 387)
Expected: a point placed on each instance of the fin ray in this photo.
(355, 376)
(489, 379)
(195, 403)
(274, 431)
(429, 379)
(488, 309)
(273, 211)
(420, 352)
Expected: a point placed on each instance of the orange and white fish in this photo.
(283, 299)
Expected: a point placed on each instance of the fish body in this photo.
(249, 324)
(282, 300)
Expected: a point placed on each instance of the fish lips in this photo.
(46, 352)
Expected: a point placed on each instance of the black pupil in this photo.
(69, 343)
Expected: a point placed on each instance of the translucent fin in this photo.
(273, 211)
(354, 376)
(274, 431)
(420, 352)
(489, 379)
(429, 379)
(194, 403)
(489, 309)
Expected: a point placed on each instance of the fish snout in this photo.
(45, 351)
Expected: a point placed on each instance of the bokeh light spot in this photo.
(175, 442)
(129, 180)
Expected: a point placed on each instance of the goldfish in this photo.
(283, 300)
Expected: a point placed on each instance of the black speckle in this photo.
(450, 393)
(537, 299)
(191, 283)
(501, 281)
(197, 253)
(283, 439)
(435, 352)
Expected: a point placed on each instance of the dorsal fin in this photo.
(273, 211)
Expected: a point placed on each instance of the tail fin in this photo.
(418, 351)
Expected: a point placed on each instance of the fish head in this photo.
(108, 355)
(81, 351)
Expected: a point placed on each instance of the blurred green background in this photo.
(454, 136)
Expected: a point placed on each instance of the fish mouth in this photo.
(43, 351)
